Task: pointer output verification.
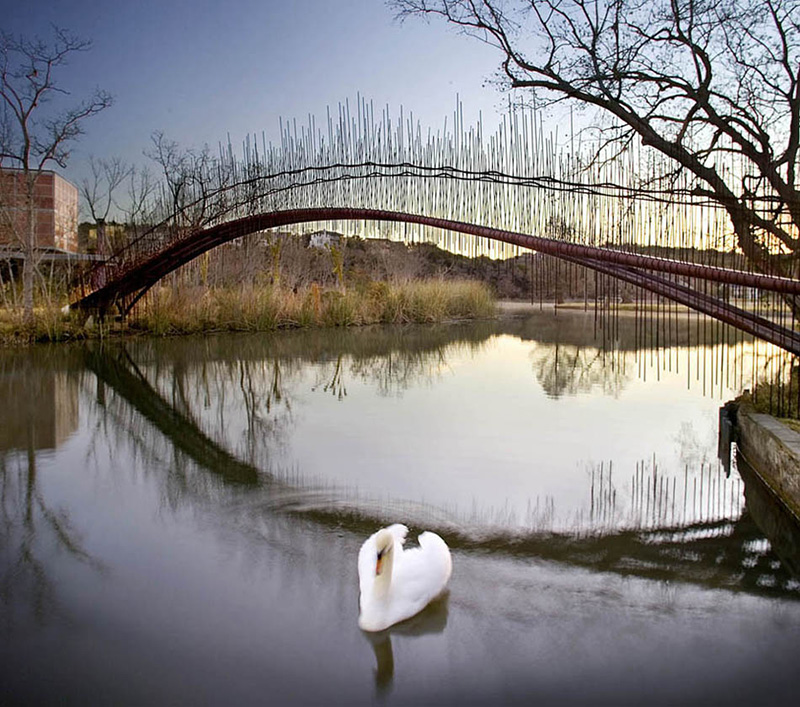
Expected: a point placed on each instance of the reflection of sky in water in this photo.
(485, 438)
(511, 432)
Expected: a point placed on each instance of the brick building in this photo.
(55, 205)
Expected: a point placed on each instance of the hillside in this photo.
(330, 259)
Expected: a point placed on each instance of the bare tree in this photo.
(194, 180)
(34, 133)
(138, 205)
(98, 193)
(712, 84)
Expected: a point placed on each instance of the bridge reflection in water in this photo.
(693, 529)
(206, 424)
(728, 550)
(685, 528)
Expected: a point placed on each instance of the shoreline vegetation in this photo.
(266, 282)
(281, 281)
(185, 309)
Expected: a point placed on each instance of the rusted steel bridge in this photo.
(501, 195)
(130, 284)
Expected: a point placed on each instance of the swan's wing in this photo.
(399, 532)
(422, 574)
(433, 546)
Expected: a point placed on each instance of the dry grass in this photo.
(778, 398)
(167, 311)
(50, 324)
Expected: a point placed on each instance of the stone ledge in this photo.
(773, 450)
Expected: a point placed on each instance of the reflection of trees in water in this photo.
(260, 387)
(333, 383)
(400, 370)
(691, 529)
(129, 407)
(391, 373)
(243, 405)
(574, 369)
(244, 396)
(205, 408)
(219, 408)
(570, 370)
(669, 528)
(574, 355)
(312, 345)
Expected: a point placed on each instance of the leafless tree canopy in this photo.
(36, 130)
(194, 180)
(31, 136)
(712, 84)
(98, 191)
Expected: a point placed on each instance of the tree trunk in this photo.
(760, 257)
(29, 252)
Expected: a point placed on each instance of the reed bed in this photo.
(183, 309)
(50, 324)
(168, 311)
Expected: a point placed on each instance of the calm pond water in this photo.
(181, 520)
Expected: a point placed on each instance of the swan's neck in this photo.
(383, 580)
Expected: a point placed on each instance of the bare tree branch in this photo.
(712, 84)
(98, 192)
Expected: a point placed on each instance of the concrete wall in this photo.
(773, 450)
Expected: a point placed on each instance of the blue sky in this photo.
(202, 69)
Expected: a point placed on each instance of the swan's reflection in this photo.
(384, 657)
(432, 619)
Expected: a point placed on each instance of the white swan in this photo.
(395, 584)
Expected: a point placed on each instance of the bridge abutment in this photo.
(772, 449)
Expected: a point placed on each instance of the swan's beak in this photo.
(379, 563)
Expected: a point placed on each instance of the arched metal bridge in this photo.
(130, 283)
(501, 194)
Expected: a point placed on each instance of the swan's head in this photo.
(384, 543)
